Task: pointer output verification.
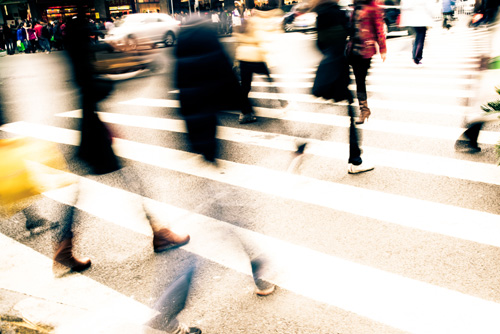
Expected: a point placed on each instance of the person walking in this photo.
(418, 15)
(8, 38)
(367, 32)
(206, 80)
(22, 40)
(43, 36)
(31, 38)
(448, 13)
(95, 149)
(332, 76)
(253, 54)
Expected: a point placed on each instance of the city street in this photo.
(410, 247)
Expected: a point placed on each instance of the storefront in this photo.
(60, 13)
(119, 7)
(147, 6)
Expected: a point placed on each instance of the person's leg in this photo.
(360, 68)
(355, 163)
(63, 255)
(246, 74)
(163, 238)
(418, 47)
(263, 69)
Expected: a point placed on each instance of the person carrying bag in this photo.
(332, 76)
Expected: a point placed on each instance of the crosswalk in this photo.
(411, 247)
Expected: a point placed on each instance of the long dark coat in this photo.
(332, 77)
(206, 82)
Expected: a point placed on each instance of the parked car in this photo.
(143, 29)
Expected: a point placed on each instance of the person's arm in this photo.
(379, 26)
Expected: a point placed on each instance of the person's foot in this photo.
(262, 286)
(467, 146)
(184, 329)
(356, 169)
(64, 257)
(247, 118)
(164, 239)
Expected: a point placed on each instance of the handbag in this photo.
(29, 167)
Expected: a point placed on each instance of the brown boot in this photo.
(365, 111)
(64, 256)
(165, 239)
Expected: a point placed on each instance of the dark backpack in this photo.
(46, 32)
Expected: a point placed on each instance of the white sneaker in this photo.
(364, 167)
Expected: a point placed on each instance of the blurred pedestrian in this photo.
(95, 147)
(418, 15)
(448, 13)
(58, 37)
(43, 36)
(207, 85)
(171, 302)
(31, 38)
(254, 54)
(9, 39)
(21, 38)
(332, 76)
(366, 36)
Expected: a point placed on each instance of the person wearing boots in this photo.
(95, 150)
(332, 76)
(367, 31)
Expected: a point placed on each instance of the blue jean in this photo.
(418, 44)
(44, 44)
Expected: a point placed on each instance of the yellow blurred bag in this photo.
(29, 167)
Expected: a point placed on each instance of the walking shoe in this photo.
(247, 118)
(183, 329)
(165, 239)
(467, 146)
(64, 257)
(356, 169)
(263, 287)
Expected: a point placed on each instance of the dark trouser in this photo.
(9, 46)
(44, 44)
(360, 68)
(354, 150)
(202, 130)
(418, 44)
(448, 16)
(247, 69)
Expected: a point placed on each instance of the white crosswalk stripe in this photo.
(383, 296)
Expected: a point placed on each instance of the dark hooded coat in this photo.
(332, 77)
(206, 82)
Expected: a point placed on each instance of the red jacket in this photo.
(371, 29)
(38, 30)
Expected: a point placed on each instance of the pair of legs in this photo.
(163, 238)
(418, 44)
(448, 16)
(360, 67)
(247, 69)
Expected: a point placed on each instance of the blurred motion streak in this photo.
(29, 167)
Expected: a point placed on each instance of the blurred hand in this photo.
(383, 56)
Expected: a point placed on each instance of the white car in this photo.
(142, 29)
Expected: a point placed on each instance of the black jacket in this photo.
(332, 77)
(204, 73)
